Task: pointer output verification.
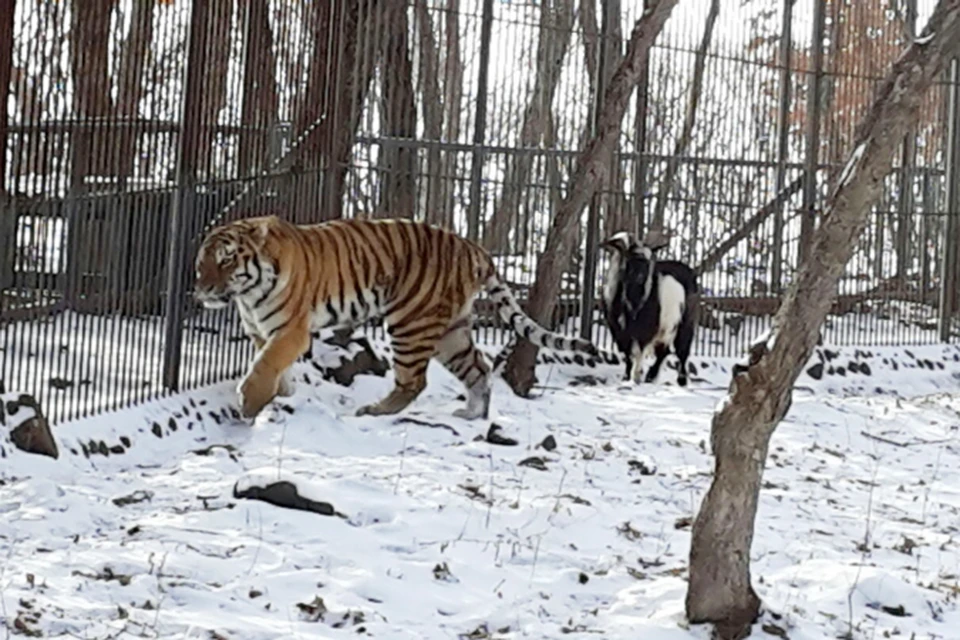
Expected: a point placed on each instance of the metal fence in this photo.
(132, 125)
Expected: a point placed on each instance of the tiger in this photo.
(289, 281)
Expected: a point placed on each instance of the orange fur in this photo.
(288, 280)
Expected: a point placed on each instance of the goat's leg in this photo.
(682, 344)
(636, 370)
(661, 351)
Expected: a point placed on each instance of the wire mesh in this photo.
(133, 125)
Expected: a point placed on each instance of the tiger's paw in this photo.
(372, 410)
(469, 413)
(253, 396)
(286, 386)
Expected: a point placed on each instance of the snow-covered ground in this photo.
(445, 536)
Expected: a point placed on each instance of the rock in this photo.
(353, 357)
(816, 371)
(494, 437)
(33, 434)
(549, 443)
(285, 494)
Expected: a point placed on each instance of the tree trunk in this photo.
(260, 101)
(556, 22)
(341, 70)
(90, 147)
(720, 591)
(429, 78)
(215, 68)
(592, 170)
(133, 59)
(689, 120)
(713, 258)
(615, 215)
(452, 98)
(397, 165)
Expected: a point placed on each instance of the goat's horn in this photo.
(656, 239)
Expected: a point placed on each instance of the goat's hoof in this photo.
(682, 381)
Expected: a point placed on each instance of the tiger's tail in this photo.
(524, 326)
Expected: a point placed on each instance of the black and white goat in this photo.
(649, 305)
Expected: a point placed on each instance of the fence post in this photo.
(184, 203)
(813, 131)
(7, 222)
(480, 123)
(948, 285)
(593, 215)
(783, 142)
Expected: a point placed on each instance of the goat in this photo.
(649, 304)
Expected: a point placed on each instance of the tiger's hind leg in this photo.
(461, 357)
(413, 346)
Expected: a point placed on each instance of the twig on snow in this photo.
(909, 443)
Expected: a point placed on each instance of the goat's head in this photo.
(634, 261)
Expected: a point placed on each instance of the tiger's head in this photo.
(226, 263)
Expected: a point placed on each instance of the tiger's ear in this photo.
(260, 233)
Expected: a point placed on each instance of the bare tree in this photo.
(556, 22)
(260, 100)
(216, 62)
(689, 120)
(344, 35)
(720, 591)
(591, 171)
(133, 59)
(452, 98)
(90, 148)
(397, 162)
(429, 80)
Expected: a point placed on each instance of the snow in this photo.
(924, 39)
(445, 535)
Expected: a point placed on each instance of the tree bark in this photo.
(429, 78)
(215, 66)
(260, 101)
(90, 148)
(133, 59)
(592, 169)
(452, 99)
(689, 120)
(556, 22)
(397, 165)
(341, 70)
(720, 591)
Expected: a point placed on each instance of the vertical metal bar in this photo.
(7, 224)
(813, 130)
(250, 135)
(906, 203)
(185, 199)
(783, 143)
(593, 216)
(948, 285)
(480, 122)
(640, 164)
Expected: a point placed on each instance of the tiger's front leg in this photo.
(269, 368)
